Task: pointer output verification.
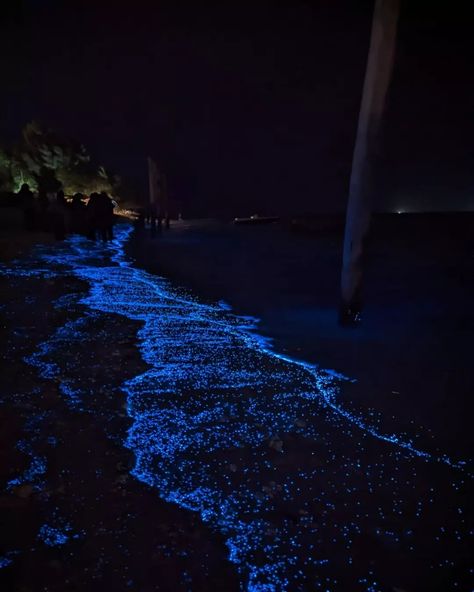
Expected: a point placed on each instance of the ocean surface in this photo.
(307, 493)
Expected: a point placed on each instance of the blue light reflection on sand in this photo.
(214, 388)
(138, 295)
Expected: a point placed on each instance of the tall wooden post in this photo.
(359, 205)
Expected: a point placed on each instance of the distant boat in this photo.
(256, 219)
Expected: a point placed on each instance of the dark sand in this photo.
(411, 358)
(126, 537)
(14, 241)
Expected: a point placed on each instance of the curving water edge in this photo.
(210, 417)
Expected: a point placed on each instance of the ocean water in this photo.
(301, 488)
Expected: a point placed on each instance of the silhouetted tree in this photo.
(41, 149)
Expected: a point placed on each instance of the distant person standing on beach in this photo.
(43, 206)
(154, 218)
(106, 220)
(27, 201)
(48, 187)
(58, 216)
(92, 206)
(78, 214)
(101, 216)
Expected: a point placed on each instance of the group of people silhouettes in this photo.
(51, 211)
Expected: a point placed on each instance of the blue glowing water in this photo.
(217, 411)
(5, 562)
(53, 537)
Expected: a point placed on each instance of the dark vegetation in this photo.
(43, 154)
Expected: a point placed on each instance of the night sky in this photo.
(249, 107)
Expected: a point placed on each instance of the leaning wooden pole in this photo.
(359, 205)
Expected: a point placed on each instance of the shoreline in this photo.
(298, 444)
(399, 352)
(57, 521)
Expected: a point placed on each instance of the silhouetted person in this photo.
(154, 218)
(101, 216)
(77, 202)
(43, 206)
(27, 201)
(58, 214)
(106, 217)
(48, 187)
(47, 182)
(43, 200)
(61, 198)
(78, 214)
(25, 193)
(92, 207)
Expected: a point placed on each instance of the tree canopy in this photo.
(41, 150)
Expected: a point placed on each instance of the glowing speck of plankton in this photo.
(210, 415)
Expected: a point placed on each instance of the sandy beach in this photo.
(214, 457)
(71, 517)
(236, 297)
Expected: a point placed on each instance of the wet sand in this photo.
(71, 516)
(14, 240)
(121, 535)
(411, 355)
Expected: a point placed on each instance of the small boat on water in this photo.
(256, 219)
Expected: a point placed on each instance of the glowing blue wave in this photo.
(211, 419)
(136, 294)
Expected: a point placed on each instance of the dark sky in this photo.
(249, 106)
